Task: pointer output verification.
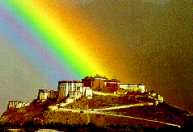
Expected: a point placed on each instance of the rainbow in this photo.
(52, 36)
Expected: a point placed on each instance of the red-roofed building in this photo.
(111, 85)
(88, 81)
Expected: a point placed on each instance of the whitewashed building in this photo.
(133, 87)
(43, 94)
(16, 104)
(70, 88)
(88, 93)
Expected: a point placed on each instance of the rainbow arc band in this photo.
(55, 36)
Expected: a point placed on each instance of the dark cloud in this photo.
(155, 43)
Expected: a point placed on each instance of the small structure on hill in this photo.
(155, 96)
(52, 94)
(16, 104)
(43, 95)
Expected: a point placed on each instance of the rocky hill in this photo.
(100, 110)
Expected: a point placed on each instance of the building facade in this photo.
(68, 88)
(43, 94)
(133, 87)
(52, 94)
(88, 81)
(111, 85)
(96, 82)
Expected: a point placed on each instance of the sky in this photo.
(135, 41)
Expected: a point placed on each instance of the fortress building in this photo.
(71, 90)
(74, 89)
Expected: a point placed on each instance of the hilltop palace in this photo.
(70, 90)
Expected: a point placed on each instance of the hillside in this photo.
(101, 111)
